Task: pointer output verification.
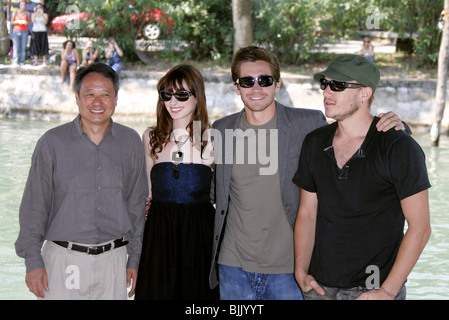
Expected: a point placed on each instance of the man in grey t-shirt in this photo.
(257, 234)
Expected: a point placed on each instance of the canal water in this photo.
(429, 279)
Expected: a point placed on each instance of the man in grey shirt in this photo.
(85, 198)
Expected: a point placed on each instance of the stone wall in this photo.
(36, 93)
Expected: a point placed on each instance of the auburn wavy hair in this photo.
(173, 81)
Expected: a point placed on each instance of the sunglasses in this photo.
(179, 95)
(338, 85)
(248, 82)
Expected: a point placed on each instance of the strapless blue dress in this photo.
(177, 242)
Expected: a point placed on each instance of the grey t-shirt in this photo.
(257, 237)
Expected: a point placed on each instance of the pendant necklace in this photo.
(177, 156)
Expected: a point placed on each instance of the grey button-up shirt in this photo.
(78, 191)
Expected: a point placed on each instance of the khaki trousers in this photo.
(74, 275)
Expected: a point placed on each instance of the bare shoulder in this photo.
(146, 139)
(146, 133)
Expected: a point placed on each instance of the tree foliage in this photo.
(289, 28)
(109, 18)
(292, 28)
(203, 30)
(417, 19)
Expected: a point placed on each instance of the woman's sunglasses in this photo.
(248, 82)
(179, 95)
(338, 85)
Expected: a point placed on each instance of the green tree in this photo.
(440, 94)
(4, 38)
(110, 18)
(52, 8)
(418, 20)
(290, 28)
(414, 20)
(242, 22)
(203, 29)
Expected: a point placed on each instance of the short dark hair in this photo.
(253, 54)
(97, 67)
(64, 44)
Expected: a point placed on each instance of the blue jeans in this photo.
(117, 67)
(20, 41)
(237, 284)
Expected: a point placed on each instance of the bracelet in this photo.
(392, 296)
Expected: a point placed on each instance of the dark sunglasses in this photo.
(179, 95)
(248, 82)
(338, 85)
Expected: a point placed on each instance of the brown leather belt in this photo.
(93, 250)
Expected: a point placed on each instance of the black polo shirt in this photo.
(360, 220)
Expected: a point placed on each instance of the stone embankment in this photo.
(37, 93)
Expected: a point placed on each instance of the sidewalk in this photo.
(353, 46)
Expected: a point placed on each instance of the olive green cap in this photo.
(348, 67)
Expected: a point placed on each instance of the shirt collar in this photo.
(78, 131)
(76, 128)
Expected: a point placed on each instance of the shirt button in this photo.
(99, 188)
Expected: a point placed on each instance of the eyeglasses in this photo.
(248, 82)
(179, 95)
(338, 85)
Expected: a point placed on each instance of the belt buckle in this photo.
(95, 250)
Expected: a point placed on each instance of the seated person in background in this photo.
(114, 54)
(70, 59)
(90, 54)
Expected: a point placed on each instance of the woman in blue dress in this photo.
(177, 242)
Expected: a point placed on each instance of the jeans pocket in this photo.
(310, 294)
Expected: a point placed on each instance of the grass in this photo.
(400, 65)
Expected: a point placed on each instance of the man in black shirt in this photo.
(358, 186)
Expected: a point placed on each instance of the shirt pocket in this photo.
(116, 178)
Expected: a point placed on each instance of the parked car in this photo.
(149, 24)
